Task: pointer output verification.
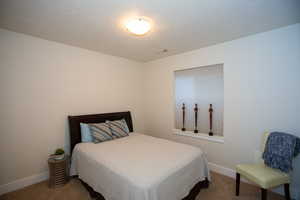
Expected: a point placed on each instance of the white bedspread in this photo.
(139, 167)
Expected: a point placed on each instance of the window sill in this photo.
(202, 136)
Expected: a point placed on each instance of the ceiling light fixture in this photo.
(138, 26)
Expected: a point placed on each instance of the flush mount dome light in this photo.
(138, 26)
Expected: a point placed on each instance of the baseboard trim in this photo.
(225, 171)
(221, 170)
(21, 183)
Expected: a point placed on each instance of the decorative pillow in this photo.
(86, 135)
(119, 128)
(100, 132)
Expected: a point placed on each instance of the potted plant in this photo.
(58, 154)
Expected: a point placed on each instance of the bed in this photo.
(136, 167)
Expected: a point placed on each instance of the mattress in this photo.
(139, 167)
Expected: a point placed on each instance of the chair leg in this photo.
(237, 184)
(287, 191)
(263, 194)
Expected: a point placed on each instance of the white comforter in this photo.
(139, 167)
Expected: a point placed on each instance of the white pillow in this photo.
(86, 135)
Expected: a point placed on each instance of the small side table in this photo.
(58, 172)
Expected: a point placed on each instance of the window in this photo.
(203, 86)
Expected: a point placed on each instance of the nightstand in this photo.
(58, 172)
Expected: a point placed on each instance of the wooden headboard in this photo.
(74, 123)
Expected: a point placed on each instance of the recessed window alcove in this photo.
(199, 94)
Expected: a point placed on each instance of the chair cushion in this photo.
(262, 175)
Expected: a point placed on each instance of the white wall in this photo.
(261, 93)
(41, 83)
(204, 86)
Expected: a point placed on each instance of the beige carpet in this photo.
(221, 188)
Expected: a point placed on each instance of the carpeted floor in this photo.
(221, 188)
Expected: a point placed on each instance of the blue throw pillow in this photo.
(86, 135)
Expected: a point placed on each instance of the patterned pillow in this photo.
(100, 132)
(119, 128)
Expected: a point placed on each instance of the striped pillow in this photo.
(119, 128)
(100, 132)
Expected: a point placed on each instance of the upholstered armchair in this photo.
(263, 175)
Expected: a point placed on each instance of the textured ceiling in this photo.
(179, 25)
